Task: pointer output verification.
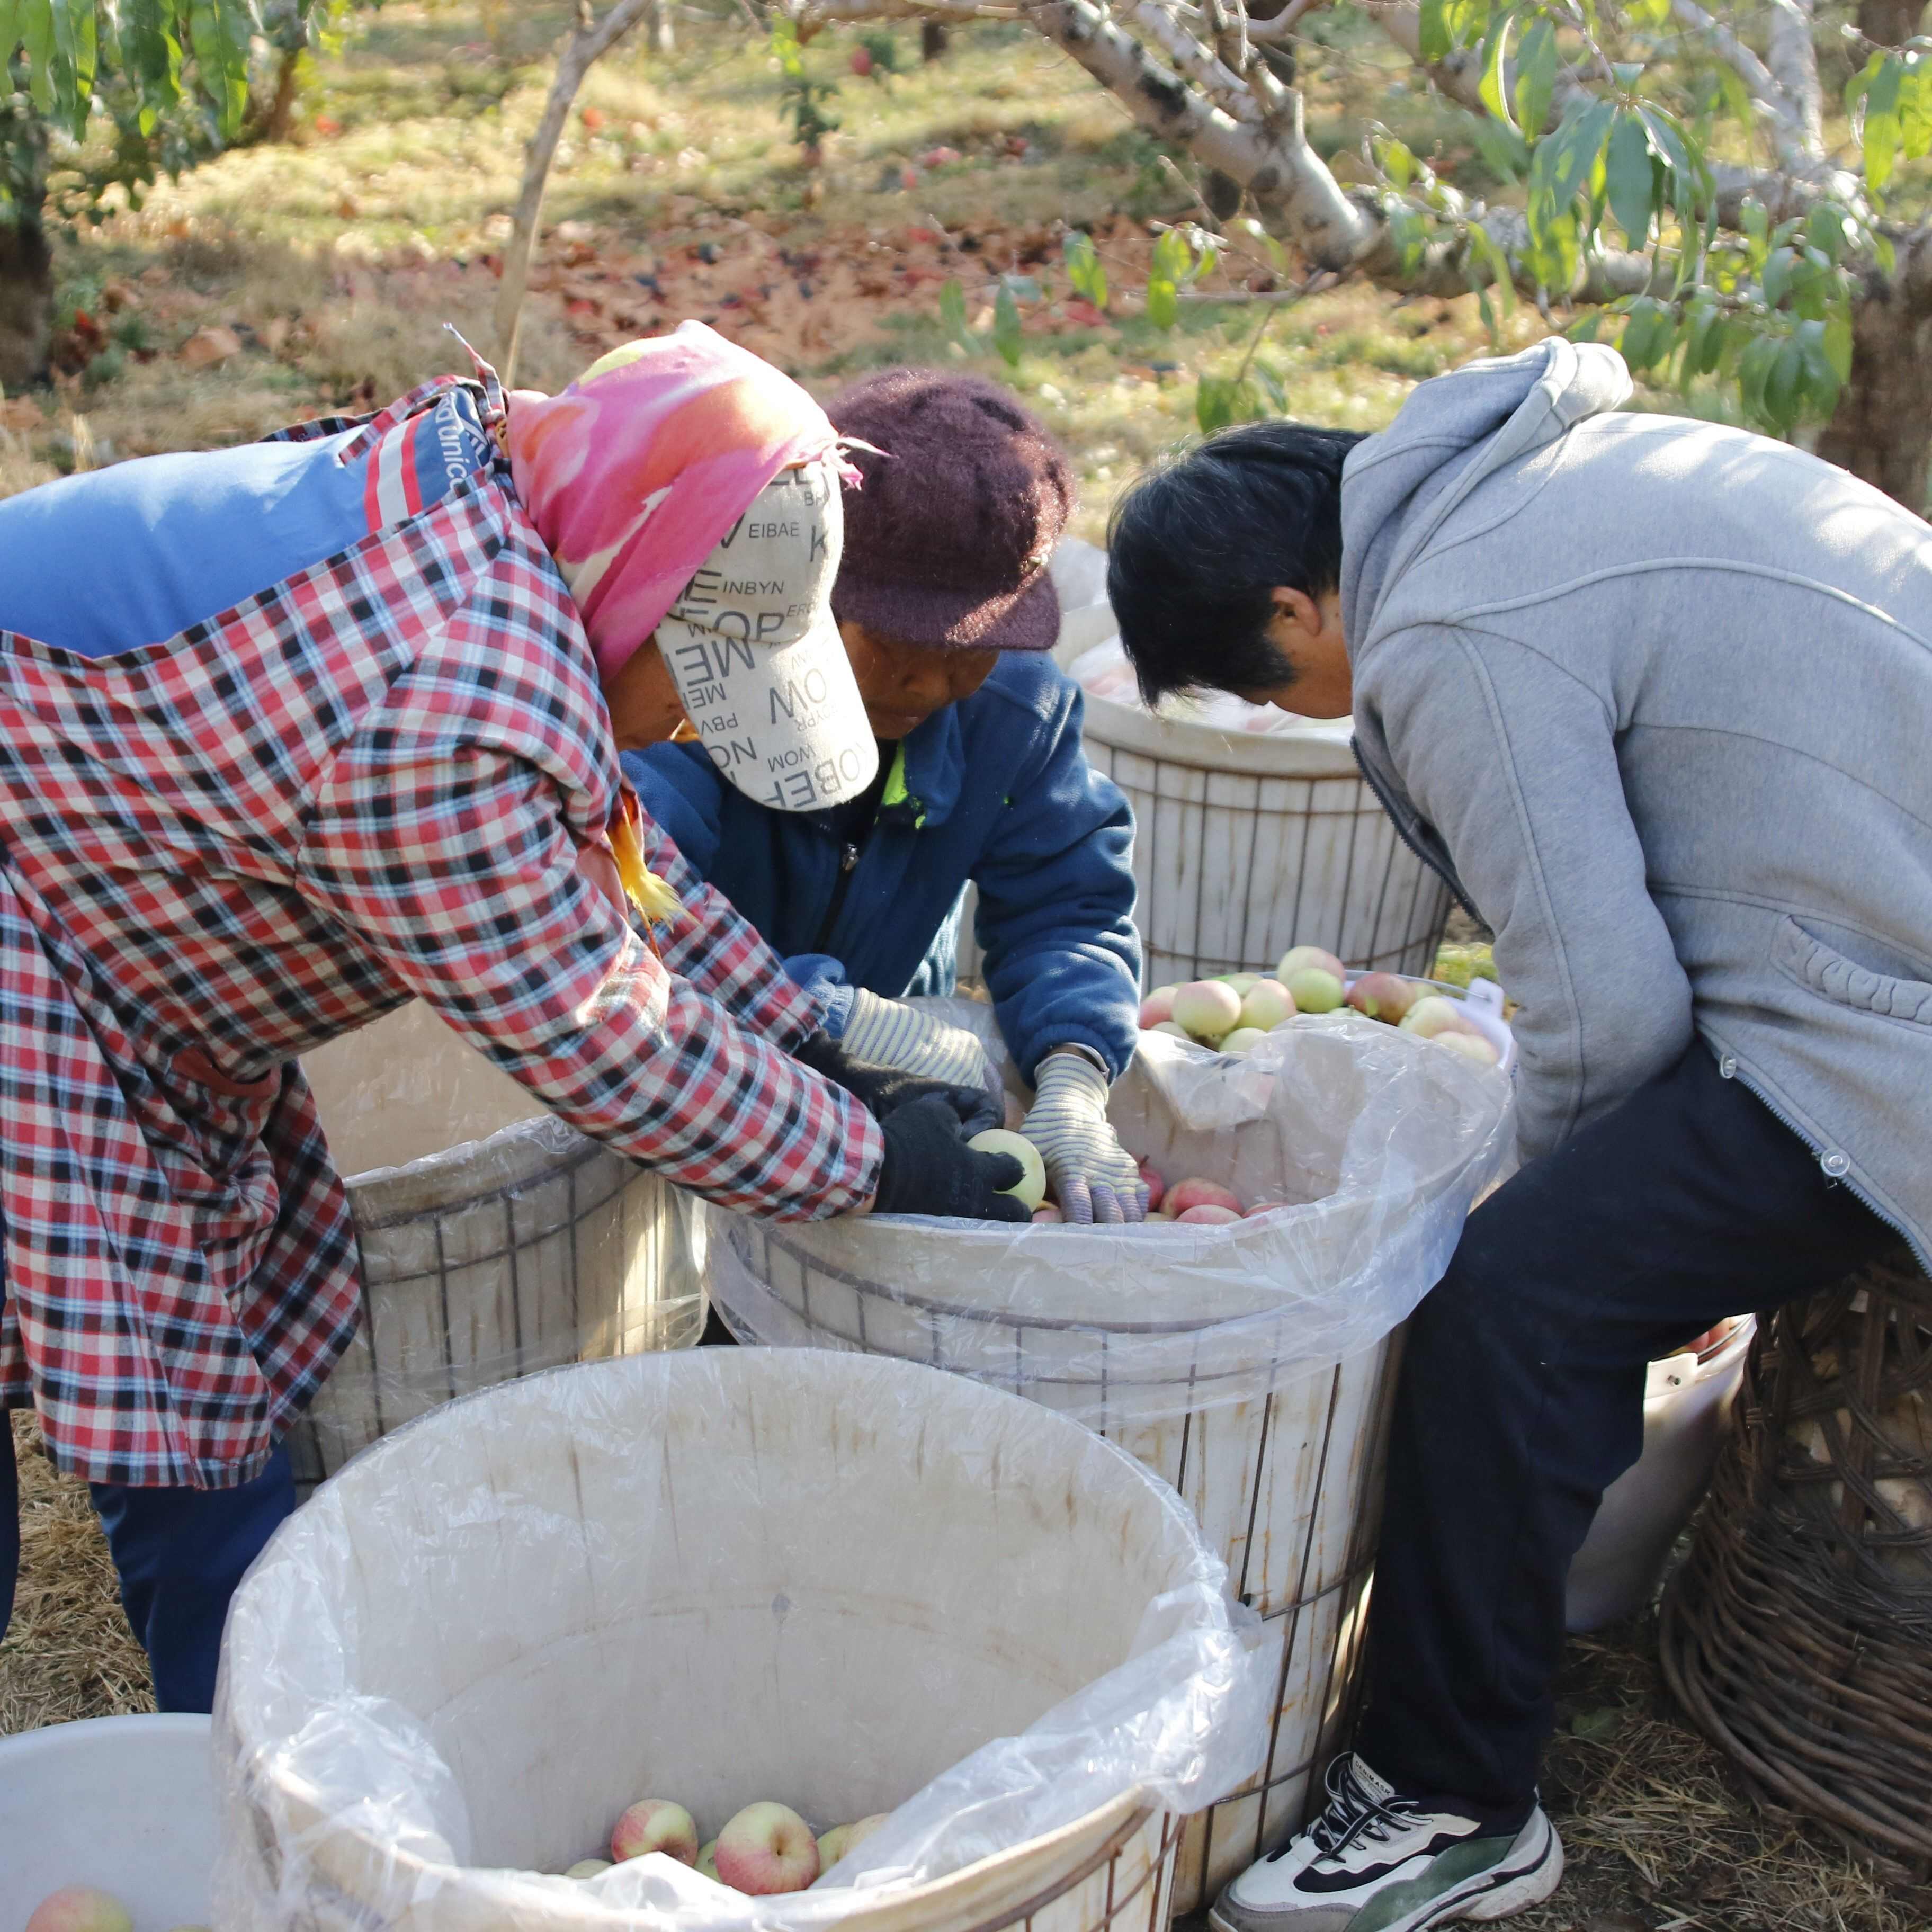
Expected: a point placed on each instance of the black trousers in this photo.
(1522, 1399)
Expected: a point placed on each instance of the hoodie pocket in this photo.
(1820, 969)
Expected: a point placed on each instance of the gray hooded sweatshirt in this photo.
(1656, 696)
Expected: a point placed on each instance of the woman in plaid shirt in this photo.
(392, 773)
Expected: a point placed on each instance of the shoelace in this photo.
(1351, 1814)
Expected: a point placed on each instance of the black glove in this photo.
(929, 1169)
(885, 1089)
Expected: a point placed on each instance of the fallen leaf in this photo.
(348, 208)
(21, 412)
(209, 345)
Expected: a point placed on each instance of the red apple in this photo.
(1156, 1188)
(1384, 996)
(1207, 1217)
(766, 1849)
(1196, 1193)
(654, 1824)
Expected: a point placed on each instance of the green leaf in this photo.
(1163, 302)
(953, 313)
(1585, 327)
(1775, 282)
(76, 57)
(1504, 152)
(219, 32)
(1875, 124)
(1083, 269)
(1171, 256)
(1821, 380)
(37, 36)
(1006, 327)
(1276, 253)
(1754, 367)
(1536, 75)
(1435, 43)
(1756, 223)
(1484, 247)
(1825, 228)
(1649, 334)
(1596, 1725)
(1838, 345)
(1494, 87)
(1397, 162)
(1630, 178)
(1783, 395)
(1651, 14)
(1216, 400)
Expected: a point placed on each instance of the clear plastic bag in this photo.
(1376, 1141)
(853, 1585)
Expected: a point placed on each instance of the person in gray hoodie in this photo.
(1654, 696)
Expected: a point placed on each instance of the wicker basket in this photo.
(1799, 1634)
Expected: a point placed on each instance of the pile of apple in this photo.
(82, 1908)
(765, 1848)
(1232, 1013)
(1198, 1201)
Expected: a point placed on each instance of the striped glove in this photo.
(1094, 1177)
(888, 1032)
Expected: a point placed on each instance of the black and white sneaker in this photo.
(1375, 1862)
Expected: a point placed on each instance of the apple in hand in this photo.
(1268, 1003)
(1383, 996)
(79, 1908)
(1208, 1009)
(1030, 1190)
(767, 1848)
(654, 1824)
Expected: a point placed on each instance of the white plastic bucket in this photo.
(495, 1240)
(726, 1575)
(1686, 1409)
(125, 1804)
(1244, 843)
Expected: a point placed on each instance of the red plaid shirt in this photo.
(371, 782)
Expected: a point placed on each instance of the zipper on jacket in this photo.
(848, 864)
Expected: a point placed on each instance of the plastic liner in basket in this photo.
(1376, 1142)
(849, 1584)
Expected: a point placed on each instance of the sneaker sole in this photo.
(1484, 1900)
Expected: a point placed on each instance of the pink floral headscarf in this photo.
(636, 472)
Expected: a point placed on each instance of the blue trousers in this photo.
(179, 1554)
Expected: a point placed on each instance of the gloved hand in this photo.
(1094, 1177)
(884, 1090)
(929, 1169)
(894, 1034)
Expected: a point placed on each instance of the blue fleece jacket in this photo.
(997, 790)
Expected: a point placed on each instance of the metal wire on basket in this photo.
(1798, 1633)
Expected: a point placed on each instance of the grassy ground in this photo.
(286, 281)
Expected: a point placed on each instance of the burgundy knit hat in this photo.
(947, 541)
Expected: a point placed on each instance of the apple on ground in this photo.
(1242, 1039)
(1267, 1004)
(1156, 1187)
(1158, 1005)
(654, 1824)
(79, 1908)
(766, 1849)
(1196, 1192)
(1296, 957)
(1208, 1009)
(1383, 996)
(1207, 1217)
(588, 1868)
(1031, 1190)
(1434, 1013)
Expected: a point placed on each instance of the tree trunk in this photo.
(279, 116)
(26, 303)
(1890, 22)
(660, 35)
(1882, 429)
(932, 38)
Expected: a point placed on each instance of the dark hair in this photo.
(1198, 543)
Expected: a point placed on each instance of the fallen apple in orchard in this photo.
(654, 1824)
(1208, 1009)
(1205, 1217)
(707, 1859)
(1158, 1005)
(1242, 1039)
(79, 1908)
(1197, 1192)
(1314, 989)
(1047, 1213)
(1031, 1190)
(1296, 957)
(1383, 996)
(1268, 1003)
(767, 1848)
(588, 1868)
(1434, 1014)
(1156, 1187)
(1470, 1045)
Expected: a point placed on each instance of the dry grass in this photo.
(69, 1652)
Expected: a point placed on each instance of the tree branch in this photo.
(1792, 56)
(1789, 133)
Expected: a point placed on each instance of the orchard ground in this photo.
(316, 276)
